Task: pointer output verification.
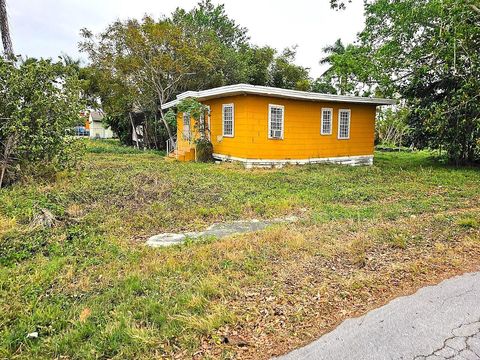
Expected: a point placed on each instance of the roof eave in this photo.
(232, 90)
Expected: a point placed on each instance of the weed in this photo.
(468, 222)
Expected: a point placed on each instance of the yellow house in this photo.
(265, 126)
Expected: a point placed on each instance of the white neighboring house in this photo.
(96, 127)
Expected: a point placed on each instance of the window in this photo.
(186, 126)
(275, 121)
(228, 120)
(343, 124)
(326, 126)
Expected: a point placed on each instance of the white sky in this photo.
(47, 28)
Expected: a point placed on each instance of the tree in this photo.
(88, 79)
(211, 22)
(149, 58)
(199, 113)
(218, 37)
(391, 127)
(324, 85)
(259, 62)
(427, 52)
(7, 141)
(339, 4)
(140, 65)
(285, 74)
(40, 101)
(336, 49)
(350, 71)
(4, 30)
(235, 60)
(336, 75)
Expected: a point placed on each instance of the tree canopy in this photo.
(425, 52)
(142, 64)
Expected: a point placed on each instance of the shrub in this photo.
(204, 150)
(40, 102)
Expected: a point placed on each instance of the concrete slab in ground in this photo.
(437, 322)
(219, 230)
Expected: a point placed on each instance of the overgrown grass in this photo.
(91, 289)
(112, 146)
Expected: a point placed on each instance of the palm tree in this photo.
(4, 30)
(332, 52)
(336, 49)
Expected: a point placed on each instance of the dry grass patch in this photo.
(310, 294)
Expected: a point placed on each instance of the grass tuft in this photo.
(468, 222)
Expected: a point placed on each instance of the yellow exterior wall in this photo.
(302, 121)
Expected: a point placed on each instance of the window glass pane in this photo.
(186, 126)
(186, 119)
(228, 120)
(327, 121)
(344, 125)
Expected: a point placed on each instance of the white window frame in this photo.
(233, 120)
(348, 111)
(270, 107)
(323, 120)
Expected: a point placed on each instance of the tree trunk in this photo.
(155, 136)
(146, 138)
(6, 158)
(2, 173)
(5, 31)
(161, 99)
(166, 126)
(134, 130)
(8, 50)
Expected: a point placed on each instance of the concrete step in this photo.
(182, 154)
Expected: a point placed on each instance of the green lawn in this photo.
(91, 289)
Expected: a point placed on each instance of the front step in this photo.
(182, 155)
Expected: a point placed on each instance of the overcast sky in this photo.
(48, 28)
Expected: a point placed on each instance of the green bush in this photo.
(40, 102)
(204, 150)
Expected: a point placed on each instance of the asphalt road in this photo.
(438, 322)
